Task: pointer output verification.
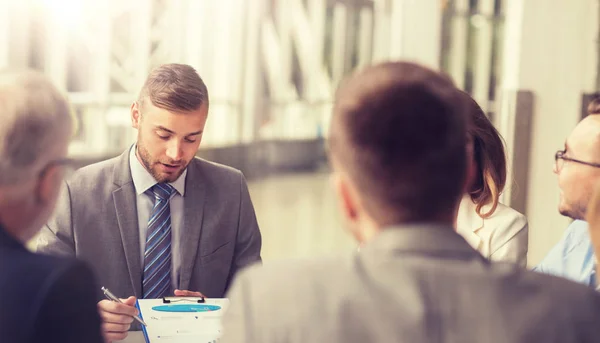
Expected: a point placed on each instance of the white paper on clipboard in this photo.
(182, 327)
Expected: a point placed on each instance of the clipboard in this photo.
(185, 321)
(168, 300)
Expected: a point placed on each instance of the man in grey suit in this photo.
(157, 221)
(399, 152)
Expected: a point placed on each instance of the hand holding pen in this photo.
(117, 316)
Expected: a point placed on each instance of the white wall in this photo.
(408, 30)
(549, 49)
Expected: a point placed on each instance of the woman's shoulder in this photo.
(507, 217)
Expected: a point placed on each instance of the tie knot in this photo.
(163, 191)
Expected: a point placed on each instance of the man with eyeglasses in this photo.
(578, 169)
(43, 298)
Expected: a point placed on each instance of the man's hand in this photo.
(117, 318)
(180, 293)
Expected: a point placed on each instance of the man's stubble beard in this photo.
(144, 157)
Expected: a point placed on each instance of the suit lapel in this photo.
(469, 222)
(193, 209)
(125, 206)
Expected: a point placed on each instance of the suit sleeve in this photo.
(249, 241)
(587, 315)
(69, 312)
(237, 320)
(56, 237)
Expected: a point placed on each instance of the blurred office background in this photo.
(272, 67)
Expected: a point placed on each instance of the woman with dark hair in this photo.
(498, 232)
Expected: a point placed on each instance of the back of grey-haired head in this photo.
(35, 118)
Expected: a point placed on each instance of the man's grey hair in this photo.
(34, 118)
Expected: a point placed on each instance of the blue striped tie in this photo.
(156, 281)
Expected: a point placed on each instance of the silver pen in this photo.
(112, 297)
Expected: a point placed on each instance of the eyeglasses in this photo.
(68, 163)
(560, 158)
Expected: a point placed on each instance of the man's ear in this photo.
(136, 116)
(346, 196)
(48, 185)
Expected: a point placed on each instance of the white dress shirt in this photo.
(143, 181)
(504, 236)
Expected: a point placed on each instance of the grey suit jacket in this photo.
(96, 221)
(409, 284)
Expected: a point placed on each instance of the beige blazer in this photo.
(411, 283)
(504, 236)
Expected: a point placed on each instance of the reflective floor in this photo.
(298, 216)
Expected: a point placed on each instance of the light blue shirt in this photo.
(573, 257)
(143, 181)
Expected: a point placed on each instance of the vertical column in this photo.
(315, 46)
(308, 48)
(322, 84)
(236, 75)
(307, 116)
(56, 49)
(340, 19)
(365, 36)
(5, 42)
(279, 84)
(193, 33)
(20, 33)
(458, 42)
(210, 48)
(381, 31)
(222, 123)
(552, 56)
(141, 40)
(416, 31)
(252, 86)
(99, 112)
(209, 42)
(397, 25)
(317, 15)
(284, 19)
(176, 30)
(483, 49)
(498, 53)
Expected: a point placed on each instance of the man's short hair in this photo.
(35, 117)
(174, 87)
(399, 130)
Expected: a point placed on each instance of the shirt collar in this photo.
(143, 180)
(420, 239)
